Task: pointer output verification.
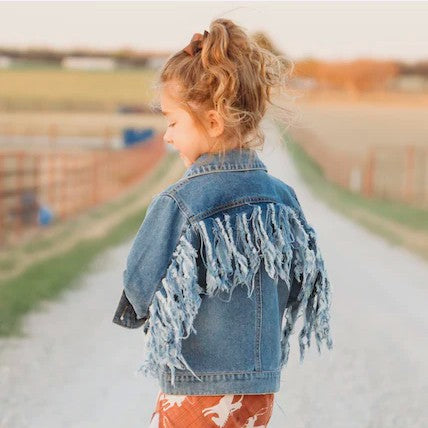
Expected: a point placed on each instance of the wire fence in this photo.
(41, 186)
(386, 172)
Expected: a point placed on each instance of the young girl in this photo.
(224, 262)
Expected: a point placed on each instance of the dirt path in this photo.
(375, 377)
(78, 369)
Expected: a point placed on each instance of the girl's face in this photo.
(181, 130)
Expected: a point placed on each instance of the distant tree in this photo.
(353, 76)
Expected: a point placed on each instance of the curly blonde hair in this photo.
(234, 75)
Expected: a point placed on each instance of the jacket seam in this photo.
(181, 206)
(177, 185)
(251, 372)
(183, 180)
(233, 204)
(225, 170)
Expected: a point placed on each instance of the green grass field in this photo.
(57, 89)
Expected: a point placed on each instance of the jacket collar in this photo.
(232, 160)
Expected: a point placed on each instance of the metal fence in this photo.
(40, 186)
(386, 172)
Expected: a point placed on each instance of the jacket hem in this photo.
(247, 382)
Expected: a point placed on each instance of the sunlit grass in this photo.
(73, 89)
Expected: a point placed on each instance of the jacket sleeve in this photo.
(311, 290)
(313, 245)
(125, 314)
(150, 255)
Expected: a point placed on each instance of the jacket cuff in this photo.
(126, 316)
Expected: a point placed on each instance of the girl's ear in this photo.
(214, 123)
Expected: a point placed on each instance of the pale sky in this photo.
(325, 30)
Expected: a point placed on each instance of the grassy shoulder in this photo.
(399, 223)
(47, 277)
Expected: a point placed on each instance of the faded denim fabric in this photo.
(221, 268)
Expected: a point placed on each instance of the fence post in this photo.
(369, 173)
(62, 184)
(38, 183)
(408, 188)
(51, 179)
(95, 165)
(19, 180)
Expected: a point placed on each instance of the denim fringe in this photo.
(284, 242)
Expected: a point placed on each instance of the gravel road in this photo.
(76, 368)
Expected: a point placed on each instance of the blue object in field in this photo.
(45, 215)
(133, 136)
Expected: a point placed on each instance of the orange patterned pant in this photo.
(205, 411)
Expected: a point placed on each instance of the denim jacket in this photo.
(219, 271)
